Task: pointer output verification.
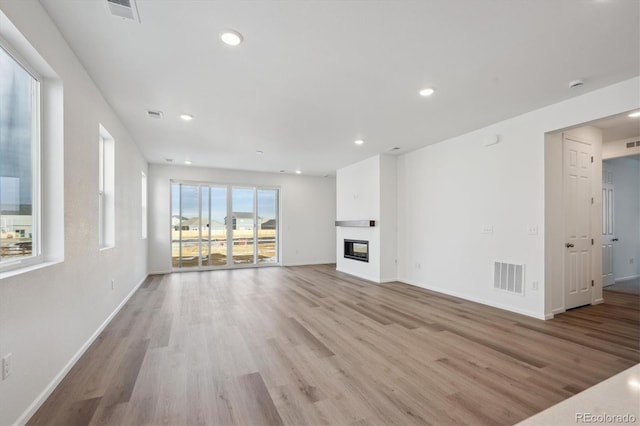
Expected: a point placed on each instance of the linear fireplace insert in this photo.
(356, 250)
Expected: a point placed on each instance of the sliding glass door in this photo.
(267, 225)
(214, 226)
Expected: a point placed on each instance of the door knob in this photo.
(615, 239)
(569, 245)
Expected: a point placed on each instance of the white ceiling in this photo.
(618, 127)
(313, 76)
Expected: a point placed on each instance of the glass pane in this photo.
(175, 225)
(18, 107)
(242, 225)
(218, 255)
(267, 225)
(185, 226)
(204, 226)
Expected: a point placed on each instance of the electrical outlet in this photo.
(6, 366)
(113, 283)
(534, 285)
(632, 261)
(532, 230)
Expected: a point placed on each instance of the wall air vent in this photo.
(124, 9)
(508, 277)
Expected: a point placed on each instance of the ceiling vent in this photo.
(633, 144)
(124, 9)
(154, 114)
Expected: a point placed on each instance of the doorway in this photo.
(621, 223)
(215, 226)
(613, 136)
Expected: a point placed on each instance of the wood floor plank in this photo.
(310, 345)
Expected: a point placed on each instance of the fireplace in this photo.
(356, 250)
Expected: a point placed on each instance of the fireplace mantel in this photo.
(356, 223)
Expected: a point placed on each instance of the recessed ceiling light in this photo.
(635, 114)
(186, 117)
(259, 152)
(395, 148)
(298, 172)
(359, 142)
(281, 171)
(187, 162)
(427, 92)
(169, 160)
(231, 37)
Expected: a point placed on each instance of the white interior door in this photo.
(608, 226)
(577, 158)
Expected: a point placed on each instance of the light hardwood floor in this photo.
(309, 345)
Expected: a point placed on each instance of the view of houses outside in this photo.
(200, 224)
(17, 106)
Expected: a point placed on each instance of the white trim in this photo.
(598, 301)
(319, 262)
(37, 403)
(476, 300)
(26, 268)
(630, 277)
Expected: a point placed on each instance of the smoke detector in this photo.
(126, 9)
(576, 83)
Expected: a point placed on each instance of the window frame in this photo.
(106, 189)
(36, 165)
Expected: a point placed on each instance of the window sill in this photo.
(27, 268)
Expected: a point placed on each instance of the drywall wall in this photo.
(554, 231)
(307, 210)
(367, 191)
(450, 192)
(613, 149)
(388, 218)
(49, 314)
(626, 183)
(358, 198)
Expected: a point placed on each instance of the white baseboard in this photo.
(159, 272)
(598, 301)
(630, 277)
(478, 300)
(37, 403)
(328, 262)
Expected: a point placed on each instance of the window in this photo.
(144, 205)
(106, 189)
(19, 162)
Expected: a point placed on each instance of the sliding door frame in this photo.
(228, 226)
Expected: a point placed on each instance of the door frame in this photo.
(229, 186)
(554, 230)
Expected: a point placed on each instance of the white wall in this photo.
(47, 315)
(626, 251)
(449, 191)
(307, 208)
(619, 148)
(367, 191)
(388, 218)
(358, 198)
